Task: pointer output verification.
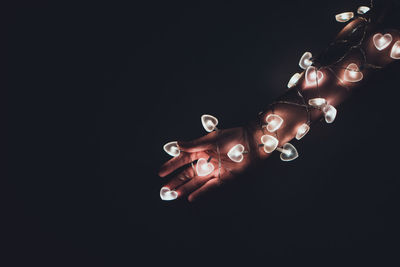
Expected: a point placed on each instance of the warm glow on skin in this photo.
(333, 88)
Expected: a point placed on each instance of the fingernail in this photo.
(166, 194)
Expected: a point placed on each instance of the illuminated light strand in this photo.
(344, 17)
(351, 74)
(270, 143)
(172, 149)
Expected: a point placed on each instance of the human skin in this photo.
(332, 87)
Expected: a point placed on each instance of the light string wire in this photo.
(336, 52)
(365, 22)
(288, 152)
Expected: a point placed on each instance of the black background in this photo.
(96, 89)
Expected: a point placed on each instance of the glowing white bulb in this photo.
(274, 122)
(362, 9)
(293, 81)
(209, 122)
(204, 168)
(382, 41)
(305, 60)
(345, 16)
(236, 153)
(167, 194)
(395, 53)
(329, 113)
(270, 143)
(302, 131)
(352, 73)
(288, 152)
(317, 102)
(313, 76)
(172, 149)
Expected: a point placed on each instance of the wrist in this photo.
(254, 133)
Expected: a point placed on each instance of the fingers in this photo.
(201, 144)
(208, 186)
(179, 161)
(193, 184)
(181, 178)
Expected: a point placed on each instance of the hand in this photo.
(187, 182)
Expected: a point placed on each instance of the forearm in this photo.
(333, 79)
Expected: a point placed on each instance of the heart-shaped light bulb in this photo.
(329, 113)
(236, 153)
(352, 73)
(293, 80)
(288, 152)
(172, 149)
(395, 53)
(313, 76)
(204, 168)
(167, 194)
(317, 102)
(382, 41)
(362, 9)
(209, 122)
(274, 122)
(302, 131)
(345, 16)
(270, 143)
(305, 60)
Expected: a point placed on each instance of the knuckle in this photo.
(188, 173)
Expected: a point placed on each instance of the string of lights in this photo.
(315, 70)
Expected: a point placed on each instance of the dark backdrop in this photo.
(96, 89)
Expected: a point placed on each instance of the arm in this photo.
(356, 53)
